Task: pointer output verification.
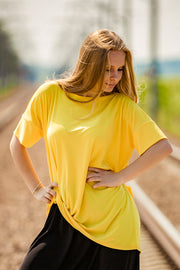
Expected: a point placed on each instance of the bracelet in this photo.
(36, 187)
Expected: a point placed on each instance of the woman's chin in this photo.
(108, 90)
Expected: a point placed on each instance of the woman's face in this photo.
(114, 70)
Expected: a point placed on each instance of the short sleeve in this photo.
(33, 122)
(144, 131)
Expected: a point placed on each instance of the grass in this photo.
(168, 103)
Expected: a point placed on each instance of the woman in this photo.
(91, 124)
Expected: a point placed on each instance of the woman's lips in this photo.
(112, 85)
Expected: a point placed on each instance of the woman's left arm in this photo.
(151, 157)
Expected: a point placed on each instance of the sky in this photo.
(51, 32)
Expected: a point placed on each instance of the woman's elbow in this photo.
(15, 145)
(167, 147)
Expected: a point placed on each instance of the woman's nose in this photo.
(114, 75)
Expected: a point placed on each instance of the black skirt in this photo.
(61, 247)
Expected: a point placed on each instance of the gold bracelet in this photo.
(36, 187)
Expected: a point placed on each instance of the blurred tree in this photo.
(9, 61)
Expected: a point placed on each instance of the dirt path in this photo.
(22, 216)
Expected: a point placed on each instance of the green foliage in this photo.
(9, 61)
(168, 103)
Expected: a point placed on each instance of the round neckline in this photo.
(79, 97)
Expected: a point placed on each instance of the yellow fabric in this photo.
(105, 139)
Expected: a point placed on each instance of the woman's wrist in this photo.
(37, 187)
(123, 176)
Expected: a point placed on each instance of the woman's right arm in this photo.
(26, 169)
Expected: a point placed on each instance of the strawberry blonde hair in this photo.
(91, 66)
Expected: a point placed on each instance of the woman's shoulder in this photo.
(48, 87)
(126, 106)
(125, 100)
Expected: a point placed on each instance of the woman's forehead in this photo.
(116, 58)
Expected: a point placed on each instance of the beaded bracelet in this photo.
(36, 187)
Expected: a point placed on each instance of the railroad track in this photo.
(156, 228)
(160, 240)
(153, 256)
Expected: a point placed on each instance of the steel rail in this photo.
(176, 152)
(157, 224)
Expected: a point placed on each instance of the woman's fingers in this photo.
(50, 189)
(48, 197)
(46, 194)
(102, 178)
(92, 176)
(95, 174)
(46, 200)
(93, 169)
(53, 185)
(50, 193)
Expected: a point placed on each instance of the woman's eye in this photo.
(109, 70)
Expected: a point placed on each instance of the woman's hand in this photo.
(45, 194)
(151, 157)
(103, 178)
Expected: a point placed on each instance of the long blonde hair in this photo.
(91, 65)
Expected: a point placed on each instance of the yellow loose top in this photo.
(77, 137)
